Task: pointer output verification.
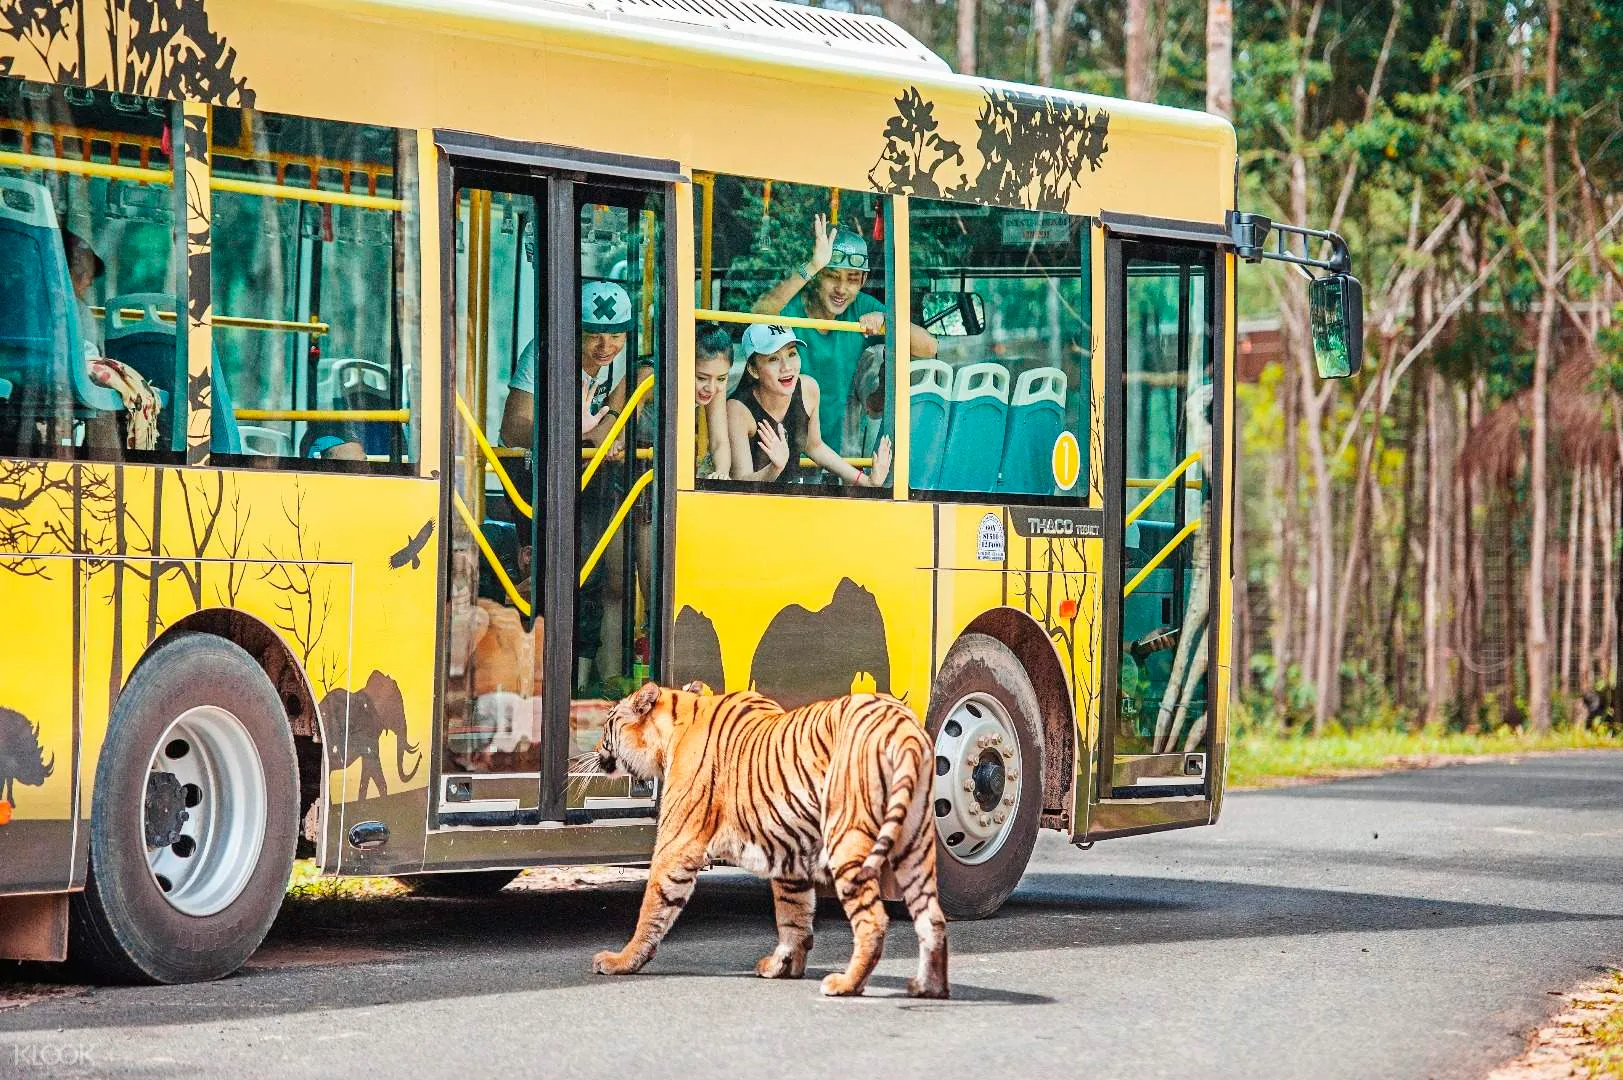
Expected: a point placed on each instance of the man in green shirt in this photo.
(829, 286)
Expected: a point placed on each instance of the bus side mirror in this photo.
(953, 314)
(1336, 303)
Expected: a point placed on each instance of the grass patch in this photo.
(1605, 1034)
(1260, 758)
(308, 884)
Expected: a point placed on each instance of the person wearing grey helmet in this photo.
(829, 286)
(605, 318)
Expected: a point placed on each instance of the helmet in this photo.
(850, 251)
(605, 308)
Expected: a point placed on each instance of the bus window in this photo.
(1008, 295)
(88, 276)
(315, 290)
(807, 265)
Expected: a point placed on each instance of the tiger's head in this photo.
(638, 731)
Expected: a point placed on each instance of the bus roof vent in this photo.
(769, 22)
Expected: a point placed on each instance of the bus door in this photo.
(557, 591)
(1161, 591)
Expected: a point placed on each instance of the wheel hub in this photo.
(205, 811)
(165, 809)
(976, 792)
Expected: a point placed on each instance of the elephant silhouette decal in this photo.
(375, 708)
(22, 759)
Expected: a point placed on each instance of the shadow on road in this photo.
(345, 954)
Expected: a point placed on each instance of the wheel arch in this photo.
(310, 737)
(1035, 651)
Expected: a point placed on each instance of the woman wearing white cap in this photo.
(773, 417)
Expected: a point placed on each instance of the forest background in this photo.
(1434, 542)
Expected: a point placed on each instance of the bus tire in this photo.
(461, 884)
(987, 791)
(193, 821)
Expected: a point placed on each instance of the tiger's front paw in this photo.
(613, 963)
(838, 984)
(777, 965)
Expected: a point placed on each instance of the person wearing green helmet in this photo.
(829, 286)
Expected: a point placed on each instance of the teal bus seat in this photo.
(351, 383)
(224, 435)
(1036, 417)
(929, 402)
(147, 344)
(980, 407)
(42, 353)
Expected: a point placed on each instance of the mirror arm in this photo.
(1249, 232)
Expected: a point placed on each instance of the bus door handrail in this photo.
(755, 317)
(620, 422)
(614, 525)
(1160, 557)
(1160, 489)
(495, 460)
(358, 416)
(491, 560)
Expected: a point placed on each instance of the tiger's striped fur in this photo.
(830, 791)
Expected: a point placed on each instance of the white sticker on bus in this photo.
(993, 542)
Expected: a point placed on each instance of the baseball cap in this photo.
(762, 339)
(850, 251)
(605, 308)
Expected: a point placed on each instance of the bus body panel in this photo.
(338, 566)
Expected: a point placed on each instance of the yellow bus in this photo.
(347, 347)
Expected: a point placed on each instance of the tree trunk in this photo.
(1140, 51)
(1436, 525)
(967, 56)
(1586, 582)
(1395, 680)
(1284, 628)
(1220, 57)
(1569, 582)
(1042, 24)
(1538, 641)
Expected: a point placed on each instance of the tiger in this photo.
(833, 790)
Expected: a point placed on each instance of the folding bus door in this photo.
(1162, 595)
(558, 493)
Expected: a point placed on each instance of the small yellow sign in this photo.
(1067, 461)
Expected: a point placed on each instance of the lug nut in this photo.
(1008, 753)
(1012, 776)
(1008, 800)
(1001, 818)
(969, 785)
(986, 819)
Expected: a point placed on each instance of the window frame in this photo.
(1080, 494)
(890, 208)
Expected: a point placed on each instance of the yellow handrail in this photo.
(614, 432)
(359, 416)
(243, 322)
(490, 555)
(491, 456)
(1149, 482)
(644, 453)
(1160, 489)
(859, 462)
(76, 167)
(614, 525)
(1160, 557)
(713, 315)
(301, 194)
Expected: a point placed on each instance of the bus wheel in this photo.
(193, 822)
(987, 793)
(460, 885)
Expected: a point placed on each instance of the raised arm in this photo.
(784, 291)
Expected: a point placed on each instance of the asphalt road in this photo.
(1411, 925)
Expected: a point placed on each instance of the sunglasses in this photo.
(854, 260)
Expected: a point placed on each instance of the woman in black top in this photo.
(772, 417)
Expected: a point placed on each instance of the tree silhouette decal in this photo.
(156, 48)
(1034, 150)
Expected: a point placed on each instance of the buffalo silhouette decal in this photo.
(22, 759)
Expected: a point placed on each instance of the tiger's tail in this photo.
(904, 783)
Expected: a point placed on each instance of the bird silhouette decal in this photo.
(410, 555)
